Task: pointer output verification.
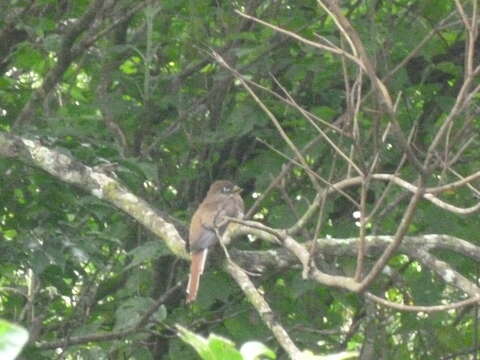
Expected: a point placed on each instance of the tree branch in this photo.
(95, 182)
(263, 309)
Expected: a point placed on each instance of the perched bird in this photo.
(208, 223)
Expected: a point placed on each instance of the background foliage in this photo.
(132, 88)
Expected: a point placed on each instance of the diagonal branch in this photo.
(264, 310)
(97, 183)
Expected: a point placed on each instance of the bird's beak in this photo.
(237, 189)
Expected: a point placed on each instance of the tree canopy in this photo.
(352, 127)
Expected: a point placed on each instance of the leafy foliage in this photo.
(12, 339)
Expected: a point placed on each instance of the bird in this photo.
(207, 224)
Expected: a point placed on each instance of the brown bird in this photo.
(223, 199)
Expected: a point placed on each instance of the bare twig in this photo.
(361, 243)
(320, 131)
(283, 172)
(357, 46)
(399, 234)
(274, 120)
(334, 50)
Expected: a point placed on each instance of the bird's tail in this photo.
(196, 270)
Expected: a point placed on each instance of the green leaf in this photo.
(252, 350)
(130, 66)
(12, 340)
(28, 58)
(39, 261)
(146, 252)
(130, 311)
(213, 348)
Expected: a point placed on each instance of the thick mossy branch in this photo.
(99, 184)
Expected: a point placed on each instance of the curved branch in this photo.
(299, 254)
(428, 192)
(281, 258)
(417, 308)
